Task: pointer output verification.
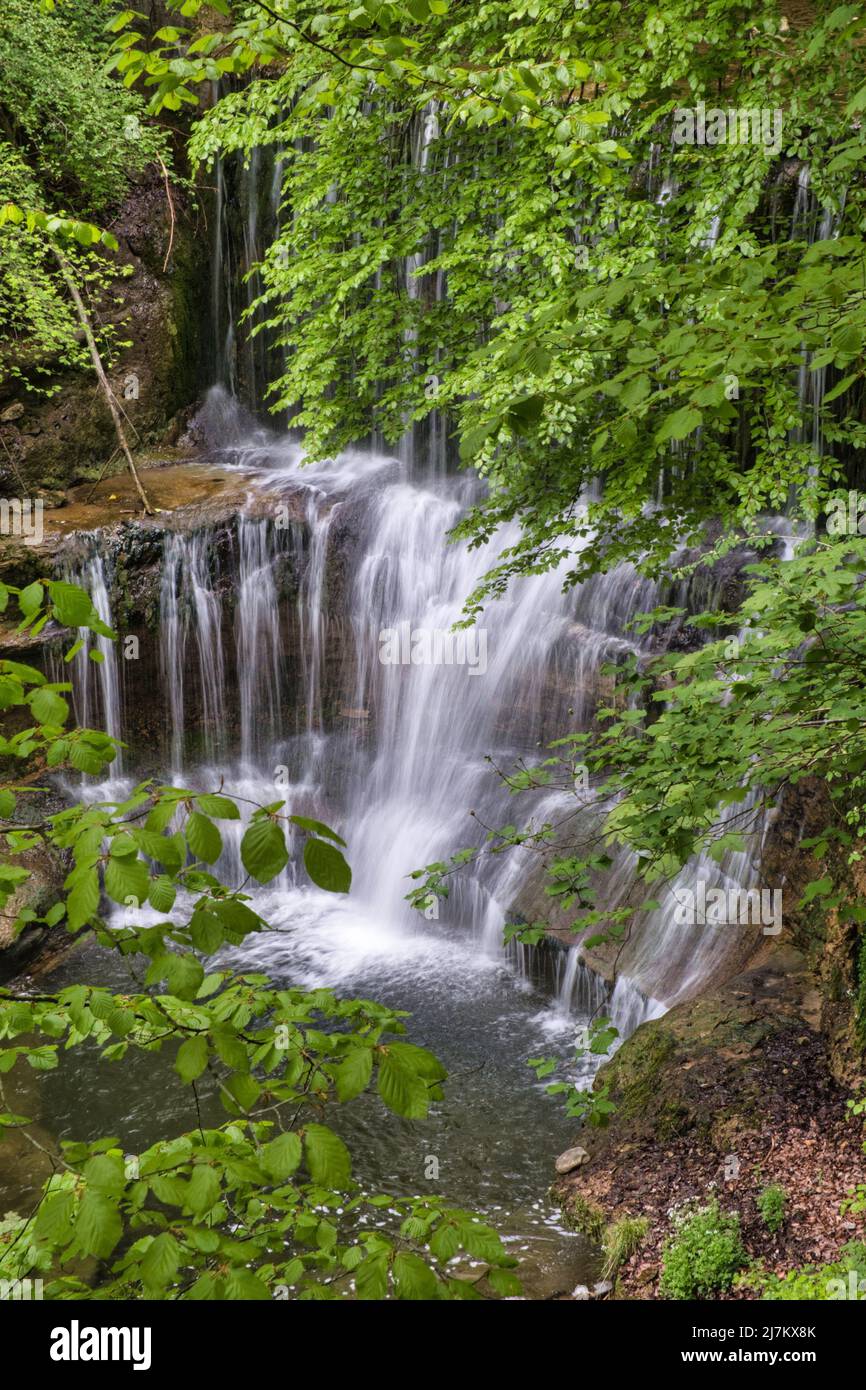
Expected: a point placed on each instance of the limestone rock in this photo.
(572, 1158)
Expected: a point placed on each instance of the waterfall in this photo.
(222, 288)
(328, 625)
(188, 602)
(257, 638)
(311, 618)
(811, 222)
(97, 685)
(307, 654)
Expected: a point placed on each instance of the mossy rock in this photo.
(699, 1068)
(582, 1216)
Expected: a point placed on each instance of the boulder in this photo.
(571, 1159)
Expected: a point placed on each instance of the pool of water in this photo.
(488, 1145)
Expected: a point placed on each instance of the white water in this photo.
(97, 684)
(271, 682)
(270, 678)
(289, 616)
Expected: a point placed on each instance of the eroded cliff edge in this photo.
(742, 1087)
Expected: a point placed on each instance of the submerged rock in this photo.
(582, 1293)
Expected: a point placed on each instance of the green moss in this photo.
(184, 326)
(635, 1070)
(584, 1217)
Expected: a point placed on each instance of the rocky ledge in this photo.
(723, 1096)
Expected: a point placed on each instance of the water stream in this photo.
(306, 654)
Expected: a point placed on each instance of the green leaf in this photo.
(401, 1088)
(203, 838)
(11, 692)
(371, 1278)
(818, 888)
(730, 843)
(98, 1226)
(206, 931)
(203, 1191)
(72, 606)
(504, 1283)
(237, 916)
(83, 901)
(54, 1220)
(445, 1242)
(354, 1072)
(161, 815)
(105, 1174)
(191, 1058)
(243, 1284)
(635, 391)
(30, 599)
(161, 1262)
(678, 425)
(127, 878)
(218, 806)
(182, 972)
(86, 759)
(282, 1156)
(48, 707)
(204, 1238)
(120, 21)
(169, 850)
(480, 1240)
(317, 827)
(327, 1157)
(245, 1089)
(413, 1279)
(162, 894)
(122, 846)
(263, 850)
(327, 867)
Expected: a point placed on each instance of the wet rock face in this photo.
(700, 1068)
(48, 869)
(725, 1095)
(52, 443)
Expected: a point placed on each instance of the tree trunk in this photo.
(84, 319)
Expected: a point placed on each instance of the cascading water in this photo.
(96, 682)
(271, 641)
(309, 658)
(400, 756)
(811, 222)
(187, 599)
